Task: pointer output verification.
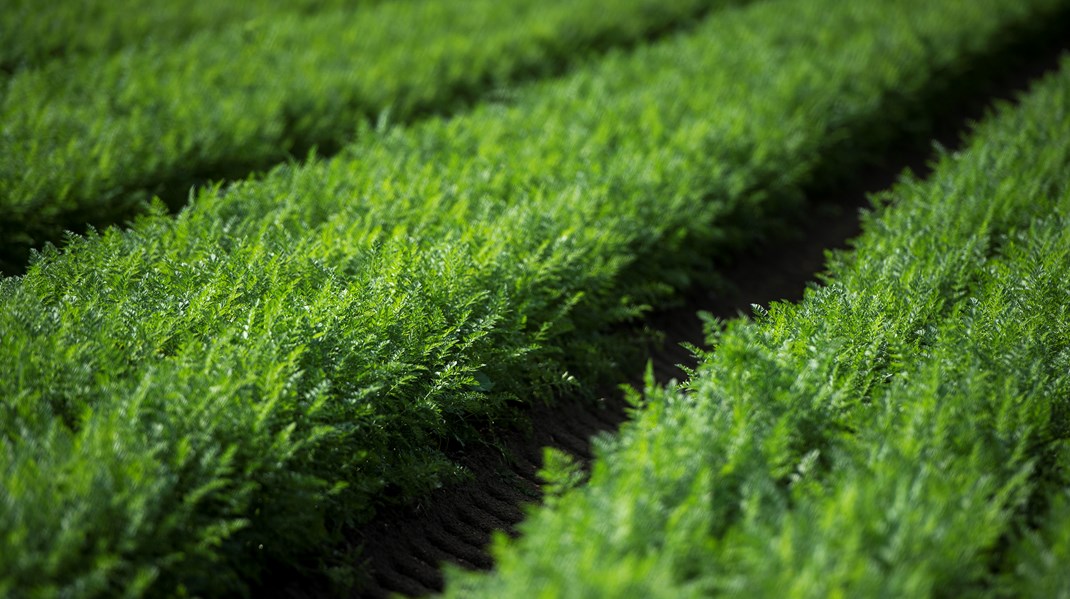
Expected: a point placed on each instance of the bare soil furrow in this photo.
(565, 439)
(505, 506)
(452, 548)
(430, 552)
(392, 581)
(470, 534)
(412, 571)
(475, 517)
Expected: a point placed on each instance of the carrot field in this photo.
(277, 274)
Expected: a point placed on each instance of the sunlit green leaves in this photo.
(289, 354)
(224, 91)
(900, 432)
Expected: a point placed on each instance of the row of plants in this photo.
(93, 138)
(902, 431)
(36, 33)
(200, 396)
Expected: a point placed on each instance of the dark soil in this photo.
(404, 548)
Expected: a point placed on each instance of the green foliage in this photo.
(198, 397)
(891, 435)
(91, 137)
(560, 473)
(1040, 556)
(37, 33)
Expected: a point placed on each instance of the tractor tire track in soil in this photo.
(404, 548)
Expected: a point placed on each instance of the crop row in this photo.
(93, 138)
(36, 33)
(900, 432)
(199, 396)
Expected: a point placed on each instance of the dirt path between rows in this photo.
(404, 548)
